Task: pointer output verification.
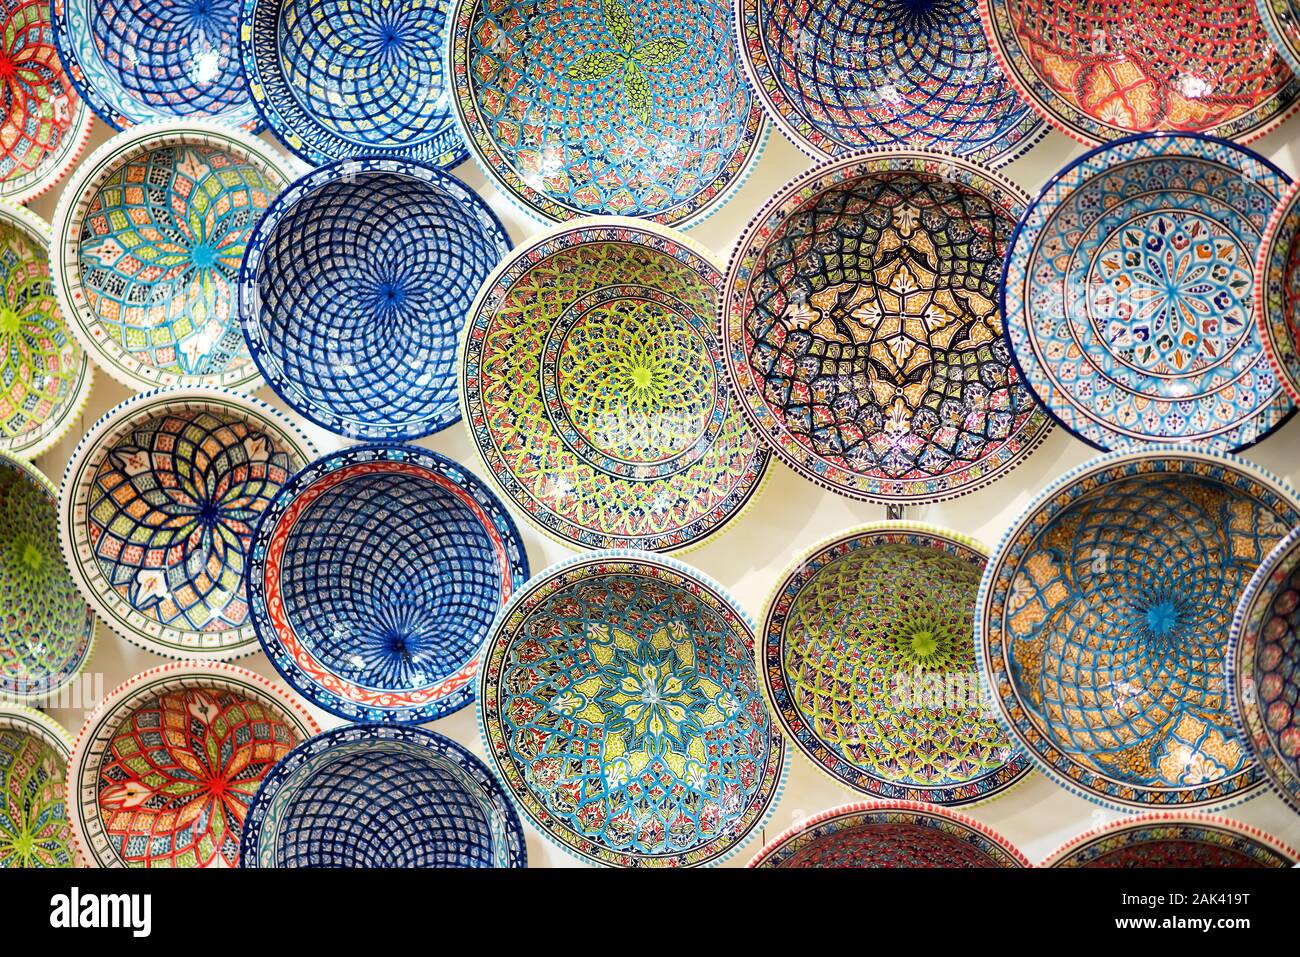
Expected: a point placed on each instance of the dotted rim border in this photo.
(1059, 857)
(1288, 49)
(1287, 205)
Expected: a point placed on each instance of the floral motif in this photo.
(630, 59)
(34, 828)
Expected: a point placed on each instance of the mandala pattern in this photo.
(1282, 21)
(863, 333)
(1264, 668)
(1129, 295)
(1104, 619)
(1188, 841)
(44, 373)
(868, 664)
(1277, 291)
(135, 61)
(627, 107)
(595, 392)
(620, 703)
(153, 230)
(375, 576)
(45, 123)
(46, 630)
(839, 76)
(34, 828)
(889, 834)
(164, 771)
(1097, 69)
(344, 78)
(159, 507)
(382, 797)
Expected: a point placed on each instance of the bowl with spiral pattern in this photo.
(379, 796)
(157, 512)
(1200, 841)
(354, 290)
(165, 768)
(1104, 617)
(375, 575)
(34, 826)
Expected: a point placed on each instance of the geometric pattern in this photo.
(1104, 618)
(1277, 291)
(1282, 21)
(1129, 294)
(1100, 69)
(34, 828)
(862, 328)
(889, 834)
(1174, 840)
(342, 78)
(869, 666)
(838, 76)
(623, 107)
(165, 768)
(621, 705)
(594, 389)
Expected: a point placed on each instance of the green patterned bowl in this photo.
(34, 827)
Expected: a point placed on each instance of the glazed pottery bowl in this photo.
(34, 828)
(354, 290)
(1174, 840)
(375, 575)
(151, 230)
(594, 390)
(165, 768)
(376, 796)
(1104, 617)
(1281, 19)
(620, 704)
(889, 834)
(1277, 291)
(157, 512)
(46, 630)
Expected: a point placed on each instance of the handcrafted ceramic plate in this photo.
(34, 828)
(46, 122)
(1282, 21)
(134, 61)
(1101, 68)
(626, 107)
(889, 834)
(158, 507)
(1263, 668)
(46, 629)
(375, 575)
(838, 76)
(165, 768)
(862, 330)
(339, 78)
(594, 389)
(867, 662)
(45, 376)
(1103, 619)
(1277, 291)
(620, 704)
(1129, 295)
(146, 273)
(1173, 840)
(376, 796)
(354, 289)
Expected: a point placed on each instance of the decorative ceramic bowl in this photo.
(34, 828)
(375, 575)
(1103, 620)
(45, 376)
(889, 834)
(1174, 840)
(354, 289)
(863, 333)
(1101, 68)
(1282, 21)
(158, 508)
(1263, 668)
(338, 78)
(1128, 294)
(46, 630)
(46, 122)
(165, 768)
(1277, 291)
(626, 107)
(621, 706)
(838, 76)
(135, 61)
(867, 662)
(594, 390)
(146, 275)
(377, 796)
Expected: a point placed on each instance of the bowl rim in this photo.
(1288, 206)
(1060, 857)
